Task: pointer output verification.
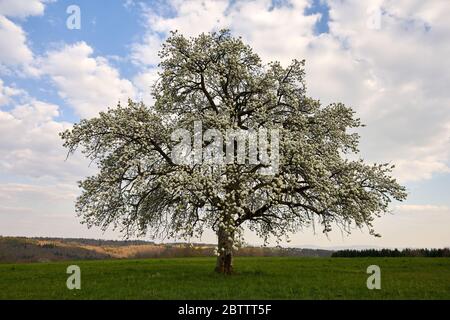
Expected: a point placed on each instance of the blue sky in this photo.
(375, 56)
(110, 28)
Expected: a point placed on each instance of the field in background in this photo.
(21, 249)
(256, 278)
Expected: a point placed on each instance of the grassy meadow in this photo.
(255, 278)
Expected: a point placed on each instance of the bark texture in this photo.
(224, 262)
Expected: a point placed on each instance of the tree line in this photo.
(445, 252)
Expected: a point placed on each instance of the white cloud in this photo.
(6, 93)
(395, 76)
(38, 184)
(34, 209)
(22, 8)
(143, 83)
(189, 14)
(272, 31)
(146, 52)
(89, 84)
(406, 106)
(13, 48)
(30, 145)
(193, 17)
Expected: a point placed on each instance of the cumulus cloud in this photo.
(30, 145)
(146, 52)
(6, 93)
(87, 82)
(25, 211)
(143, 83)
(393, 74)
(406, 107)
(38, 184)
(14, 50)
(192, 17)
(22, 8)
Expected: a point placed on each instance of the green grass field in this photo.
(256, 278)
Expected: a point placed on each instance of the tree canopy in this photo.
(219, 81)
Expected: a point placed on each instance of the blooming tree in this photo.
(219, 81)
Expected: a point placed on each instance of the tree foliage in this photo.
(217, 79)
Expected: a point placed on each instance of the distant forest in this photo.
(432, 253)
(22, 249)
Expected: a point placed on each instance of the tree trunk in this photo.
(224, 263)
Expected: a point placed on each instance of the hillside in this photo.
(21, 249)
